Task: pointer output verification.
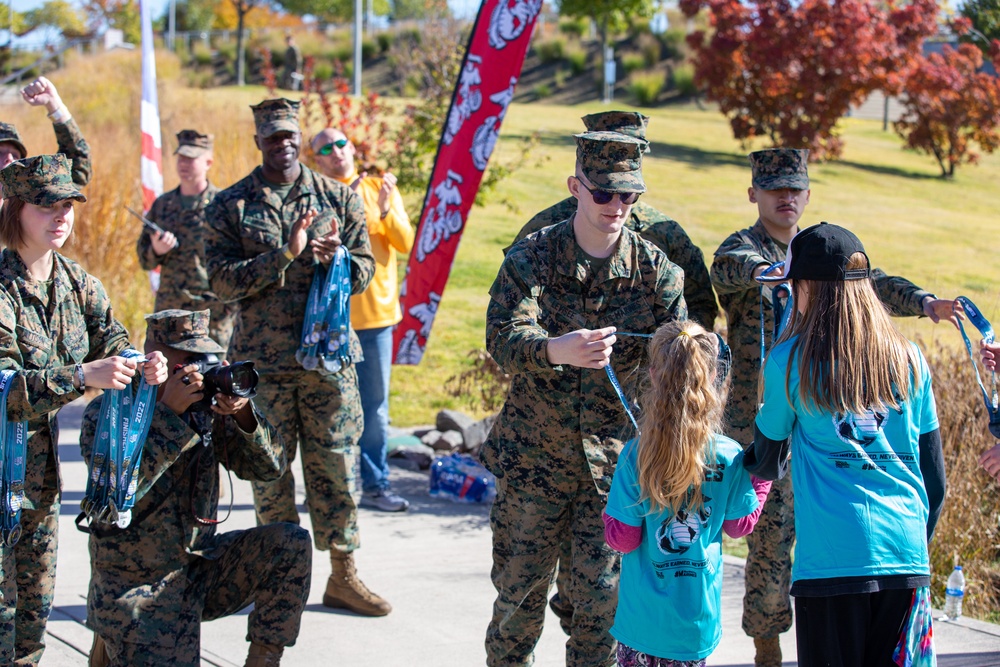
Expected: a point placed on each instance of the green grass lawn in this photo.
(913, 224)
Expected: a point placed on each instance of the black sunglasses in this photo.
(326, 150)
(602, 197)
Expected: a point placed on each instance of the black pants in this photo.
(857, 630)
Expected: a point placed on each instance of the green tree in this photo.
(610, 16)
(195, 14)
(404, 10)
(120, 14)
(332, 10)
(985, 17)
(60, 15)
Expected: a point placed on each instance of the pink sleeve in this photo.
(744, 525)
(621, 536)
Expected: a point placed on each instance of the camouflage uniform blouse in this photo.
(139, 576)
(183, 276)
(560, 418)
(667, 235)
(72, 144)
(248, 226)
(739, 293)
(44, 333)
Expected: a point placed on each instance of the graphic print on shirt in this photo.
(861, 431)
(677, 534)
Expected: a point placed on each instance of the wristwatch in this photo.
(78, 374)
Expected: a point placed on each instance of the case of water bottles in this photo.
(462, 479)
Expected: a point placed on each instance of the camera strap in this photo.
(990, 399)
(326, 327)
(122, 427)
(13, 451)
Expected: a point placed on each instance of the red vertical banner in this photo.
(485, 88)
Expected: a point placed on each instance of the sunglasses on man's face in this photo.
(602, 197)
(326, 150)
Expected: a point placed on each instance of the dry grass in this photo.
(969, 529)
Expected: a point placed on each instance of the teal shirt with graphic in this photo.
(670, 594)
(860, 503)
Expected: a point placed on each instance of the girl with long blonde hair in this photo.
(676, 488)
(851, 399)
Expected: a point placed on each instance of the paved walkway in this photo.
(433, 564)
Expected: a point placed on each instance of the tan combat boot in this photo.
(264, 655)
(99, 653)
(768, 652)
(345, 591)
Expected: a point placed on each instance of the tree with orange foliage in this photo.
(789, 71)
(950, 105)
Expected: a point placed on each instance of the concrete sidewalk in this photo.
(432, 563)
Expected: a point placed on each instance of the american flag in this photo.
(151, 163)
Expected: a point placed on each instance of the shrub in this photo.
(323, 71)
(384, 40)
(202, 55)
(550, 50)
(673, 41)
(576, 56)
(646, 88)
(560, 77)
(632, 62)
(368, 49)
(575, 27)
(541, 91)
(651, 48)
(683, 80)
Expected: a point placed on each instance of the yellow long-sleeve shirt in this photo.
(378, 306)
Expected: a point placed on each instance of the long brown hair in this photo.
(682, 409)
(10, 222)
(851, 356)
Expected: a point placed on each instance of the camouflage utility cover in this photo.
(10, 135)
(611, 161)
(182, 330)
(631, 123)
(43, 180)
(192, 143)
(272, 116)
(780, 168)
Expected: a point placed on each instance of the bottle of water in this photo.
(953, 594)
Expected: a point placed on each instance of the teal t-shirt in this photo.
(670, 594)
(860, 503)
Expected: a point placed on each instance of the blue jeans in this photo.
(373, 384)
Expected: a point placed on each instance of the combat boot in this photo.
(345, 591)
(264, 655)
(768, 652)
(99, 653)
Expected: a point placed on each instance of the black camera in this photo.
(238, 380)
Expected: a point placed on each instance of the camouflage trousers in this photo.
(269, 567)
(767, 609)
(320, 417)
(529, 521)
(29, 578)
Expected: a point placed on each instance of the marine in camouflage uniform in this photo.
(555, 443)
(767, 611)
(46, 329)
(153, 584)
(183, 276)
(250, 260)
(649, 223)
(69, 139)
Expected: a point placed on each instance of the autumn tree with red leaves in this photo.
(950, 106)
(789, 71)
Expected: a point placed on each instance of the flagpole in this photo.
(151, 160)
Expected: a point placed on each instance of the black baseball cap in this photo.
(822, 252)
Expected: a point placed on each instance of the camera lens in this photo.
(242, 379)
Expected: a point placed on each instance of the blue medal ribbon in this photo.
(782, 309)
(13, 451)
(122, 427)
(991, 399)
(327, 324)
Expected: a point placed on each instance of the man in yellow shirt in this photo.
(374, 311)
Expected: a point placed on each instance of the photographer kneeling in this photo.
(153, 583)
